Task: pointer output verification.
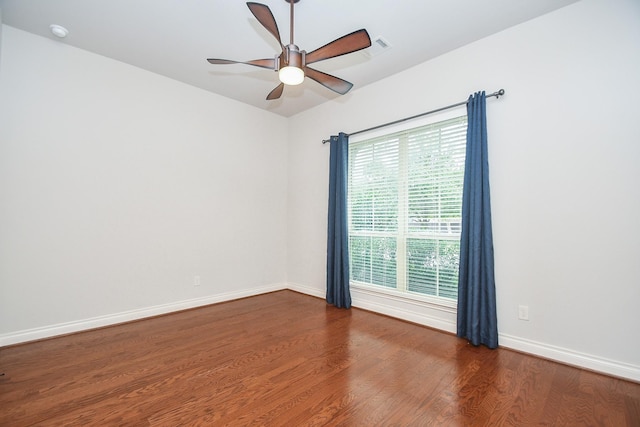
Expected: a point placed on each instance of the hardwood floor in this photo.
(286, 359)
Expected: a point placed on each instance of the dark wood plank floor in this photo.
(286, 359)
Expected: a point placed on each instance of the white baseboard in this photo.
(408, 315)
(358, 301)
(320, 293)
(127, 316)
(559, 354)
(570, 357)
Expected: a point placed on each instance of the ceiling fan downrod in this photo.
(291, 72)
(291, 2)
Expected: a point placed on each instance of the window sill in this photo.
(441, 304)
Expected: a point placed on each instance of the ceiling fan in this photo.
(292, 63)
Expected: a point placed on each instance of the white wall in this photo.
(564, 146)
(118, 186)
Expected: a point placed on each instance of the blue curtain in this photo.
(337, 236)
(477, 320)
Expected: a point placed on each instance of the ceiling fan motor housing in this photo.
(293, 57)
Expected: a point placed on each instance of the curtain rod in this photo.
(497, 94)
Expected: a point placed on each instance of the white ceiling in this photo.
(174, 37)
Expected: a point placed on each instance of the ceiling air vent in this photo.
(378, 46)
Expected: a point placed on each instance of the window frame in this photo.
(438, 302)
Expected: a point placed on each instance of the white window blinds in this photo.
(405, 203)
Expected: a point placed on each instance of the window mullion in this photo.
(439, 200)
(403, 196)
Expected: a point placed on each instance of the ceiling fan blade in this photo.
(334, 83)
(276, 93)
(346, 44)
(269, 63)
(265, 17)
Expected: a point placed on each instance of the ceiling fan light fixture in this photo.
(291, 75)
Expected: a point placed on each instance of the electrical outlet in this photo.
(196, 280)
(523, 312)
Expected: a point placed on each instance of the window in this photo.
(405, 207)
